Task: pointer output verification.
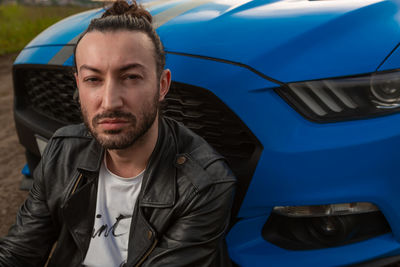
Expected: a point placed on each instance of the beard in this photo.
(123, 138)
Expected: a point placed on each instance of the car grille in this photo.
(201, 111)
(49, 91)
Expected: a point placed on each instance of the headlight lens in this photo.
(385, 88)
(347, 98)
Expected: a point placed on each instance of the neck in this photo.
(133, 160)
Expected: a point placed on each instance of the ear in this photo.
(165, 83)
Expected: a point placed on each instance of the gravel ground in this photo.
(11, 152)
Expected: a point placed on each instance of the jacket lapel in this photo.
(159, 181)
(80, 207)
(78, 213)
(158, 191)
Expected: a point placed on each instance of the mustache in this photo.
(114, 114)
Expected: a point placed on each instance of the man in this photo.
(129, 188)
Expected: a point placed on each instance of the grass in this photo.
(20, 24)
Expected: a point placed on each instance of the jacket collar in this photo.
(159, 181)
(93, 156)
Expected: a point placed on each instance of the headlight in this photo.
(342, 99)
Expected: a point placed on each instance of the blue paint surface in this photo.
(37, 55)
(25, 171)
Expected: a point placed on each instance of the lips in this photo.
(112, 124)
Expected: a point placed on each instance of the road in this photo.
(11, 152)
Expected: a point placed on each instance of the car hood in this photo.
(285, 40)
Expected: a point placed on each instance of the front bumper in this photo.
(248, 248)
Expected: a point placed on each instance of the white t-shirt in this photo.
(116, 198)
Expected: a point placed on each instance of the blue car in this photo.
(302, 98)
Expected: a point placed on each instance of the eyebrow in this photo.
(131, 66)
(121, 69)
(89, 68)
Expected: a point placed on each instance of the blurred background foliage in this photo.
(20, 23)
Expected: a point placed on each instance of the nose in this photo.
(111, 98)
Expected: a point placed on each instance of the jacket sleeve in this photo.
(197, 236)
(30, 239)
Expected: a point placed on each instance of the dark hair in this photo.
(122, 16)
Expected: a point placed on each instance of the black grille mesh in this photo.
(49, 91)
(201, 111)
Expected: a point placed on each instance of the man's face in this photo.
(118, 86)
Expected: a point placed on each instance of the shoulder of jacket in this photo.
(204, 172)
(198, 160)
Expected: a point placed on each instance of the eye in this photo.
(132, 77)
(91, 79)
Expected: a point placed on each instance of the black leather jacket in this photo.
(180, 218)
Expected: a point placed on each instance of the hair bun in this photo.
(123, 8)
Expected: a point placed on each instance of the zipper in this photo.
(147, 253)
(76, 184)
(50, 254)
